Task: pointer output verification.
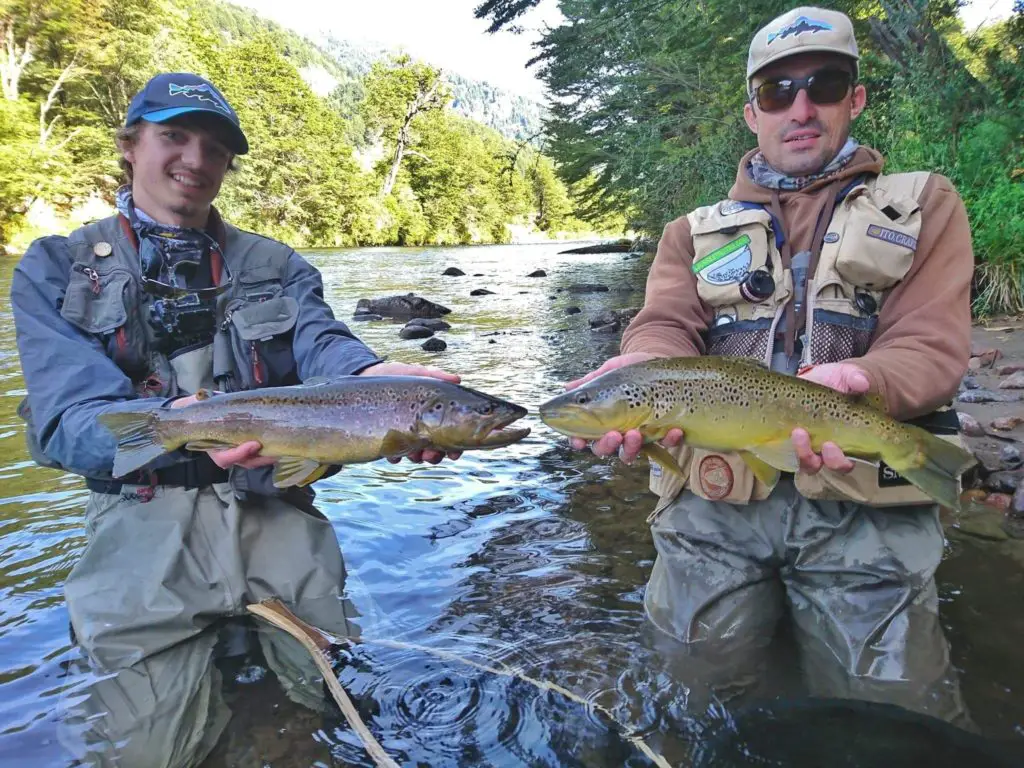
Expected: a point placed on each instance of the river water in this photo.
(532, 557)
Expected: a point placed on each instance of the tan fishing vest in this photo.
(868, 248)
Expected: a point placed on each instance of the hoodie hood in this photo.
(864, 160)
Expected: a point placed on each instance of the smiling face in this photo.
(177, 168)
(803, 138)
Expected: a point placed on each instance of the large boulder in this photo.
(401, 307)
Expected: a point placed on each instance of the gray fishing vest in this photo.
(251, 347)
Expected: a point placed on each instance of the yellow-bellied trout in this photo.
(346, 420)
(736, 405)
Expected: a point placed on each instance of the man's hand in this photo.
(627, 443)
(245, 455)
(411, 369)
(842, 377)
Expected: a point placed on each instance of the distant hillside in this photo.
(333, 67)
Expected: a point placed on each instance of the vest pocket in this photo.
(261, 341)
(879, 240)
(742, 338)
(837, 336)
(94, 301)
(726, 250)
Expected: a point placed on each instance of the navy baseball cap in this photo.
(171, 94)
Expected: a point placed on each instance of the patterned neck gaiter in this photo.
(765, 176)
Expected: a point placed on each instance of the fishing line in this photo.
(318, 642)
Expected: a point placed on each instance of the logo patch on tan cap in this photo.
(716, 478)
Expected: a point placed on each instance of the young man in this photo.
(817, 265)
(137, 312)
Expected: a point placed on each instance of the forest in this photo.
(644, 120)
(384, 158)
(647, 99)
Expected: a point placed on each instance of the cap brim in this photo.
(804, 49)
(240, 144)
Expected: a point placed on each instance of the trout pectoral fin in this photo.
(208, 445)
(781, 455)
(397, 443)
(294, 470)
(660, 456)
(762, 471)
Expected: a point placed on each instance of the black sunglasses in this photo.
(826, 86)
(152, 264)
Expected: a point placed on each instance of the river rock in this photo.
(1000, 501)
(453, 272)
(1017, 506)
(572, 310)
(1013, 381)
(984, 358)
(415, 332)
(970, 425)
(538, 273)
(1004, 481)
(990, 461)
(588, 288)
(433, 323)
(987, 396)
(366, 316)
(478, 274)
(1006, 423)
(434, 345)
(401, 307)
(1010, 457)
(480, 292)
(620, 317)
(1012, 368)
(969, 382)
(607, 329)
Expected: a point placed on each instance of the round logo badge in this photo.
(832, 237)
(103, 249)
(716, 477)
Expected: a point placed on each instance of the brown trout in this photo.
(347, 420)
(736, 405)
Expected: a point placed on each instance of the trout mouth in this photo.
(574, 421)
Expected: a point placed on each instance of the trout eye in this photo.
(581, 398)
(485, 409)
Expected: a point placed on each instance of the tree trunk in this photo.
(424, 100)
(13, 62)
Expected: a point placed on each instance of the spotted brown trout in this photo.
(347, 420)
(736, 405)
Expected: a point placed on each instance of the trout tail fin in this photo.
(137, 440)
(935, 468)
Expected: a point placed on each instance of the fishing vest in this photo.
(868, 248)
(251, 346)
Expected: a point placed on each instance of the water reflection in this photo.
(532, 558)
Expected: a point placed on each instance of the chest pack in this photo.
(867, 248)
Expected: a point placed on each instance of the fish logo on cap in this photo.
(201, 92)
(802, 24)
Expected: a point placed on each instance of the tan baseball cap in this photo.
(802, 30)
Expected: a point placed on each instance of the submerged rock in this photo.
(434, 345)
(415, 332)
(433, 323)
(481, 292)
(401, 307)
(538, 273)
(453, 272)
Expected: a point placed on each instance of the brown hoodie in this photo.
(920, 349)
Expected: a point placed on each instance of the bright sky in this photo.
(445, 34)
(441, 32)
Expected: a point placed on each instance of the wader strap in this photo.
(818, 240)
(787, 264)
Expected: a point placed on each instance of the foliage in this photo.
(648, 97)
(317, 158)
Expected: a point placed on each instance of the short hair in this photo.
(128, 135)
